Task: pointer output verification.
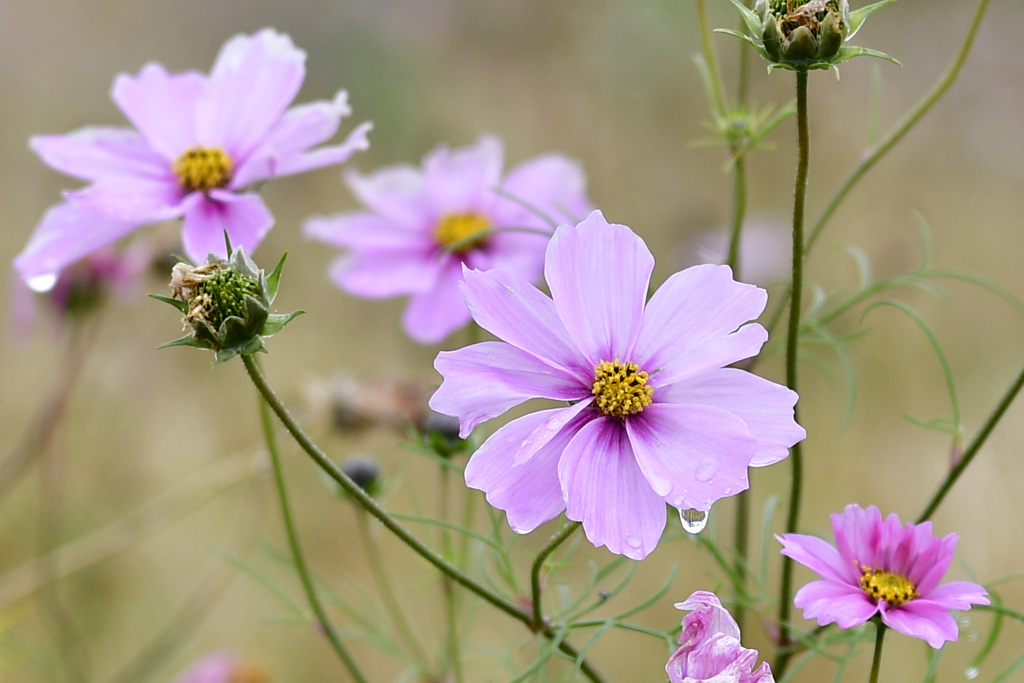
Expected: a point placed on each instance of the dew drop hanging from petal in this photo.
(693, 520)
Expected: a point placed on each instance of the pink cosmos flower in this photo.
(423, 224)
(221, 667)
(201, 142)
(710, 647)
(881, 567)
(654, 416)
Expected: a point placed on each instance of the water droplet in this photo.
(705, 472)
(42, 283)
(972, 672)
(633, 542)
(693, 520)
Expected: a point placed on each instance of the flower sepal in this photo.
(226, 304)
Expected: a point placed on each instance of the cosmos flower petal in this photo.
(691, 455)
(486, 379)
(766, 407)
(95, 152)
(604, 489)
(529, 493)
(552, 181)
(707, 617)
(858, 534)
(599, 286)
(462, 180)
(213, 668)
(820, 557)
(512, 309)
(385, 272)
(235, 115)
(929, 569)
(705, 307)
(244, 217)
(396, 193)
(434, 313)
(67, 233)
(830, 602)
(919, 619)
(162, 106)
(555, 425)
(956, 595)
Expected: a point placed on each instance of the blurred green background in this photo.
(609, 83)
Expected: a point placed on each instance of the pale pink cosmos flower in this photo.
(199, 144)
(885, 568)
(709, 647)
(221, 667)
(654, 416)
(423, 224)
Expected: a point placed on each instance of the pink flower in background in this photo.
(222, 667)
(424, 224)
(710, 647)
(884, 568)
(654, 416)
(200, 142)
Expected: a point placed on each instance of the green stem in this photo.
(972, 450)
(380, 575)
(876, 662)
(453, 656)
(293, 541)
(389, 522)
(538, 565)
(710, 59)
(792, 346)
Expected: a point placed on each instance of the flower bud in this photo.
(364, 471)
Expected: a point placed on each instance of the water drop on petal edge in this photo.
(693, 520)
(971, 673)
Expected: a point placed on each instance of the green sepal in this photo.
(756, 44)
(276, 322)
(750, 18)
(188, 340)
(848, 53)
(177, 303)
(274, 279)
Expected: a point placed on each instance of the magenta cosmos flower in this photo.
(201, 142)
(709, 647)
(882, 567)
(654, 417)
(423, 224)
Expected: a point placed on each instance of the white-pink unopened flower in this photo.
(423, 224)
(199, 144)
(653, 414)
(709, 647)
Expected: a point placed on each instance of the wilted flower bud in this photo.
(441, 434)
(801, 35)
(226, 304)
(364, 471)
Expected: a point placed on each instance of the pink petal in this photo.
(819, 557)
(95, 153)
(766, 407)
(931, 565)
(461, 180)
(67, 233)
(598, 275)
(364, 230)
(691, 455)
(828, 602)
(244, 216)
(578, 413)
(138, 199)
(162, 106)
(858, 533)
(484, 380)
(956, 595)
(690, 324)
(552, 184)
(512, 309)
(381, 274)
(435, 313)
(918, 619)
(215, 668)
(397, 193)
(529, 493)
(707, 613)
(604, 489)
(251, 83)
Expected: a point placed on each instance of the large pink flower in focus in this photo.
(709, 647)
(424, 224)
(882, 567)
(654, 416)
(200, 143)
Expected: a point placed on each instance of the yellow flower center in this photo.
(620, 389)
(882, 585)
(460, 232)
(203, 168)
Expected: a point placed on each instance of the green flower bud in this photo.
(226, 304)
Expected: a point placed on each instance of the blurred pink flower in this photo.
(201, 142)
(710, 647)
(653, 414)
(882, 568)
(423, 224)
(221, 667)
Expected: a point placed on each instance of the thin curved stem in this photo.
(710, 59)
(972, 450)
(389, 522)
(792, 347)
(301, 568)
(876, 661)
(538, 565)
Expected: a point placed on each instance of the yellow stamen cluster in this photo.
(203, 169)
(620, 389)
(456, 231)
(882, 585)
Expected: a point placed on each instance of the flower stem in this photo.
(301, 568)
(711, 60)
(972, 450)
(453, 656)
(538, 565)
(876, 662)
(792, 345)
(389, 522)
